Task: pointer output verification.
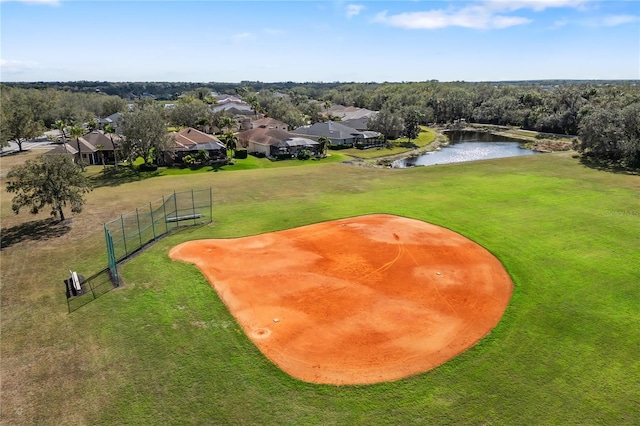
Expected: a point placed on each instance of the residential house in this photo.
(357, 118)
(275, 143)
(103, 145)
(189, 141)
(268, 122)
(92, 148)
(245, 123)
(233, 107)
(113, 120)
(225, 97)
(63, 148)
(342, 135)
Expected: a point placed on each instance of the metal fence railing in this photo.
(132, 231)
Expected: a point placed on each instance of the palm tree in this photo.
(231, 142)
(204, 124)
(92, 124)
(227, 123)
(324, 144)
(255, 105)
(100, 149)
(109, 130)
(61, 125)
(76, 133)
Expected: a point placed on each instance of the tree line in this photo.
(604, 114)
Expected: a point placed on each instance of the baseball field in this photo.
(168, 348)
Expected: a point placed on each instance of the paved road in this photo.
(43, 142)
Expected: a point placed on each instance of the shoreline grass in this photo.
(425, 137)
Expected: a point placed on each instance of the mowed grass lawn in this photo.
(163, 349)
(425, 137)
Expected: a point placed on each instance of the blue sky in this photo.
(273, 41)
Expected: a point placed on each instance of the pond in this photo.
(468, 146)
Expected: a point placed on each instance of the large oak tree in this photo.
(50, 180)
(18, 121)
(145, 133)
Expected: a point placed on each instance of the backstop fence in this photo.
(132, 231)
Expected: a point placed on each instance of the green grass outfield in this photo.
(164, 350)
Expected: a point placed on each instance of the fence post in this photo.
(164, 209)
(91, 287)
(175, 203)
(193, 207)
(153, 224)
(113, 266)
(210, 205)
(139, 232)
(124, 236)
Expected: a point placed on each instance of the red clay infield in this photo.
(360, 300)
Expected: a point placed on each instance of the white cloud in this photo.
(615, 20)
(470, 17)
(488, 14)
(47, 2)
(16, 67)
(241, 36)
(354, 9)
(536, 5)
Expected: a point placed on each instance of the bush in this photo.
(188, 160)
(339, 147)
(303, 154)
(283, 156)
(146, 167)
(240, 154)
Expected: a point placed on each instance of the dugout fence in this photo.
(132, 231)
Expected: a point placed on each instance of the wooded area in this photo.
(605, 114)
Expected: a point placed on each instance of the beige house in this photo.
(274, 143)
(189, 141)
(90, 148)
(271, 123)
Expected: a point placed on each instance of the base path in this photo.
(359, 300)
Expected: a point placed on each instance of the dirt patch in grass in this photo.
(361, 300)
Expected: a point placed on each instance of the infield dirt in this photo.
(359, 300)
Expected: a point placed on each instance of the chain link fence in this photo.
(132, 231)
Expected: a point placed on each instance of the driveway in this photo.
(42, 142)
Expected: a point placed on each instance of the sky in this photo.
(319, 41)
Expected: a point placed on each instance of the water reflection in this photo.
(467, 147)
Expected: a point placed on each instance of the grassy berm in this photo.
(163, 349)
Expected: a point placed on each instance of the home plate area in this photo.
(360, 300)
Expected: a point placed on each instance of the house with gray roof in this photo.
(341, 135)
(357, 118)
(224, 97)
(113, 120)
(233, 107)
(91, 148)
(275, 143)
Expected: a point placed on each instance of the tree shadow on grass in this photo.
(608, 166)
(44, 229)
(110, 177)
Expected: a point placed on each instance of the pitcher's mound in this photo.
(361, 300)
